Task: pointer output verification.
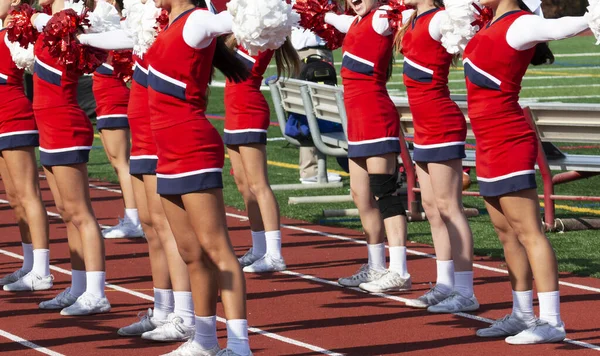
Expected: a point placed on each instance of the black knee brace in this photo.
(384, 188)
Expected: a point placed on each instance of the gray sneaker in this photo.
(146, 323)
(13, 277)
(266, 264)
(507, 326)
(229, 352)
(30, 282)
(62, 300)
(540, 333)
(248, 258)
(389, 281)
(365, 274)
(433, 297)
(455, 303)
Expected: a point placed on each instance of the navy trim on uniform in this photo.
(15, 141)
(180, 16)
(357, 66)
(479, 79)
(423, 14)
(503, 16)
(165, 87)
(415, 73)
(189, 184)
(3, 81)
(104, 70)
(247, 62)
(373, 149)
(115, 122)
(46, 75)
(64, 158)
(140, 77)
(146, 166)
(245, 138)
(508, 185)
(439, 154)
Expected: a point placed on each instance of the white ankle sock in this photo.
(27, 257)
(133, 216)
(184, 307)
(237, 336)
(41, 262)
(398, 260)
(206, 332)
(259, 243)
(95, 283)
(376, 256)
(78, 282)
(463, 283)
(445, 276)
(523, 306)
(550, 307)
(273, 239)
(164, 303)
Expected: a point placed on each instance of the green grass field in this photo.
(575, 77)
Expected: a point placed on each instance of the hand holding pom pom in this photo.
(483, 16)
(259, 25)
(312, 17)
(122, 62)
(458, 27)
(20, 29)
(394, 13)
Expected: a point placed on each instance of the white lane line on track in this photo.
(29, 344)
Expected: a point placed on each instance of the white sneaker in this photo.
(331, 178)
(455, 303)
(229, 352)
(190, 348)
(125, 229)
(432, 297)
(365, 274)
(390, 281)
(266, 264)
(507, 326)
(146, 323)
(62, 300)
(30, 282)
(540, 333)
(87, 304)
(173, 330)
(13, 277)
(248, 258)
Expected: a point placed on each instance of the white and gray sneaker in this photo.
(506, 326)
(432, 297)
(266, 264)
(87, 304)
(124, 229)
(173, 330)
(455, 303)
(13, 277)
(147, 322)
(62, 300)
(190, 348)
(365, 274)
(540, 333)
(248, 258)
(389, 281)
(229, 352)
(30, 282)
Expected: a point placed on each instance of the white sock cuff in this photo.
(257, 233)
(237, 328)
(275, 234)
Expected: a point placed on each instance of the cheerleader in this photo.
(172, 318)
(373, 144)
(247, 118)
(112, 95)
(440, 132)
(495, 61)
(66, 137)
(18, 139)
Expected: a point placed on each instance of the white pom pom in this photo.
(456, 27)
(141, 24)
(104, 18)
(23, 58)
(593, 16)
(259, 25)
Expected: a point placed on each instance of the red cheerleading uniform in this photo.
(66, 133)
(143, 158)
(247, 114)
(190, 150)
(17, 123)
(373, 122)
(112, 97)
(506, 147)
(440, 126)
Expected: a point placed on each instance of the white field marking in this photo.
(268, 334)
(525, 78)
(577, 55)
(544, 87)
(29, 344)
(563, 97)
(276, 139)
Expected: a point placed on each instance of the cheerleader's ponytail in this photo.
(543, 54)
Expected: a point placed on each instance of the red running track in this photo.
(299, 312)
